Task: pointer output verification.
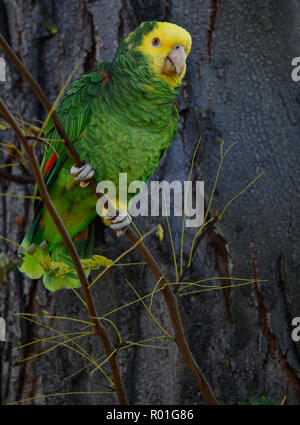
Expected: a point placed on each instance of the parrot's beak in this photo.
(175, 61)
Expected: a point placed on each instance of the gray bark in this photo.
(238, 88)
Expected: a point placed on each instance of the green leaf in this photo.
(96, 262)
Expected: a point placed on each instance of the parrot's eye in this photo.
(155, 42)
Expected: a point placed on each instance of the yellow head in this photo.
(166, 46)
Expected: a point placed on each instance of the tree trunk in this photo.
(238, 88)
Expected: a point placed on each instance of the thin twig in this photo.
(99, 328)
(170, 298)
(16, 179)
(199, 239)
(41, 96)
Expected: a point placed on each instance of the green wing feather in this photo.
(74, 112)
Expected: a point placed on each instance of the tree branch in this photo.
(16, 179)
(199, 239)
(99, 328)
(175, 316)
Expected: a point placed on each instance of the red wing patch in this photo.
(107, 77)
(83, 234)
(49, 163)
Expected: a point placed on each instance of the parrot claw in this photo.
(83, 174)
(120, 222)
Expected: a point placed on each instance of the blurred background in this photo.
(238, 88)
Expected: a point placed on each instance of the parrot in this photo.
(121, 116)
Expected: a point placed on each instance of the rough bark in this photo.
(238, 89)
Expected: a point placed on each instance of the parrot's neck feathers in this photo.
(136, 76)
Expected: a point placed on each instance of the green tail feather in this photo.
(60, 254)
(54, 280)
(32, 263)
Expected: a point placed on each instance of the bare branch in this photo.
(16, 179)
(99, 328)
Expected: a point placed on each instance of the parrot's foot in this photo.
(120, 222)
(83, 174)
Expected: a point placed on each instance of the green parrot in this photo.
(121, 117)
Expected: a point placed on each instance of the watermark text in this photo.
(2, 69)
(158, 198)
